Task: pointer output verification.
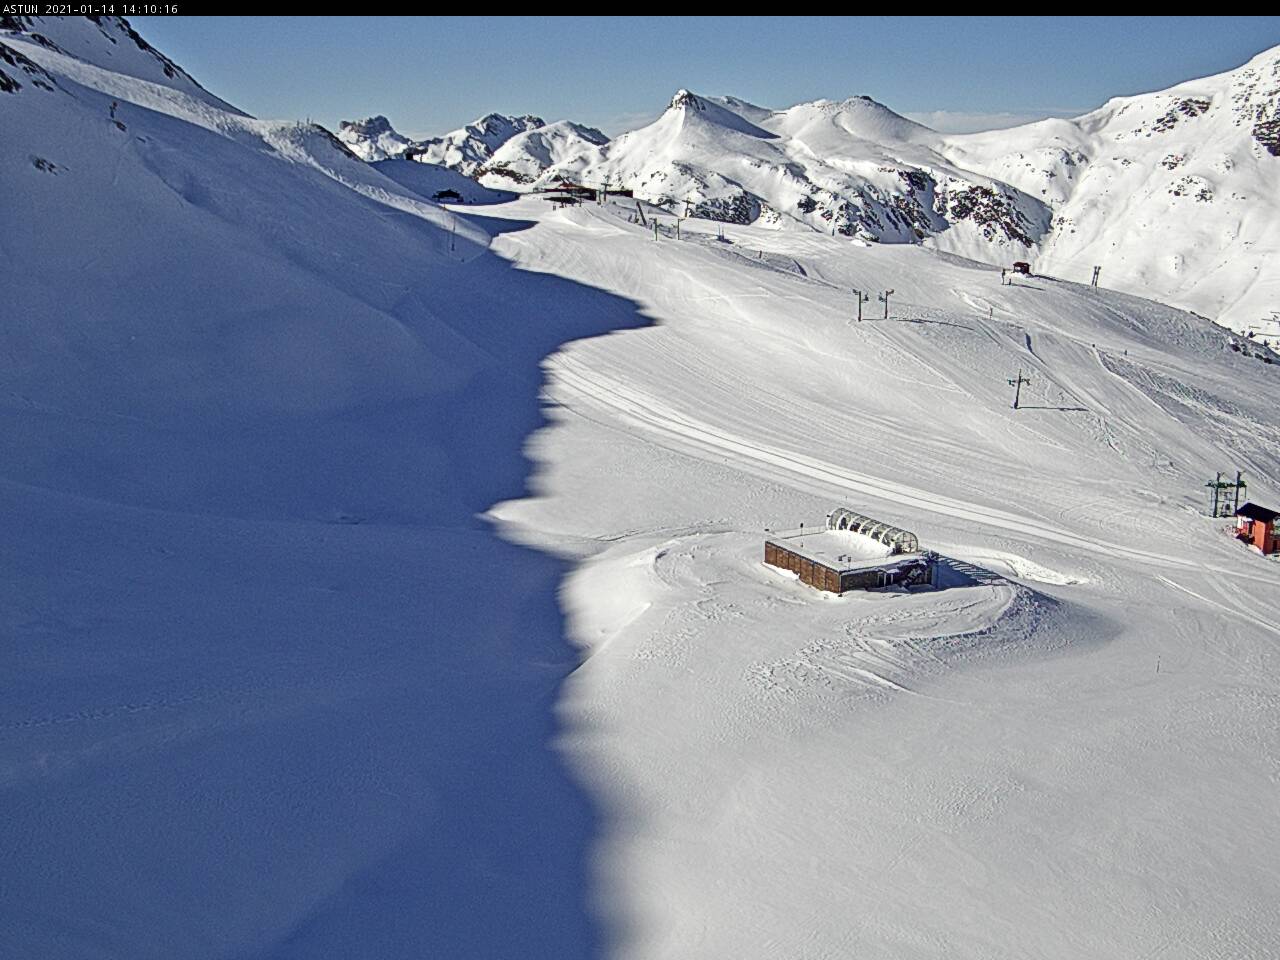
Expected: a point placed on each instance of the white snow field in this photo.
(384, 581)
(1071, 751)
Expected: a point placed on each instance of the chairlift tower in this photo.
(1221, 502)
(1017, 383)
(884, 298)
(861, 298)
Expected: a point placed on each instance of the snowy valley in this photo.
(384, 575)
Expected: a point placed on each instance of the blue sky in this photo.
(430, 75)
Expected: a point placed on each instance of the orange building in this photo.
(1257, 525)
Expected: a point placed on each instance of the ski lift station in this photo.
(852, 552)
(1257, 525)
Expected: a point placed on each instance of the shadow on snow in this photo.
(271, 688)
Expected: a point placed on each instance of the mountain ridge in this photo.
(1174, 193)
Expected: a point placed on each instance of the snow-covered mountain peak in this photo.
(373, 138)
(370, 125)
(466, 150)
(1247, 97)
(689, 111)
(580, 129)
(685, 98)
(497, 124)
(109, 43)
(523, 158)
(814, 165)
(827, 126)
(469, 148)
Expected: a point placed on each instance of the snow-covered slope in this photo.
(109, 43)
(1175, 194)
(1068, 751)
(429, 179)
(373, 139)
(851, 167)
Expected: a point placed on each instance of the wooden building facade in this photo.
(907, 572)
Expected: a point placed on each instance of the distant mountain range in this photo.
(1175, 195)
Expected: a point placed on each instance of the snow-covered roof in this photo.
(839, 550)
(1252, 511)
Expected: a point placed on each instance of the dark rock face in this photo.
(372, 127)
(992, 211)
(684, 98)
(908, 213)
(1256, 101)
(504, 171)
(924, 205)
(23, 25)
(1267, 133)
(36, 74)
(916, 179)
(1185, 108)
(1191, 187)
(740, 208)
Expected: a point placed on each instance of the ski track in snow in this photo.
(801, 470)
